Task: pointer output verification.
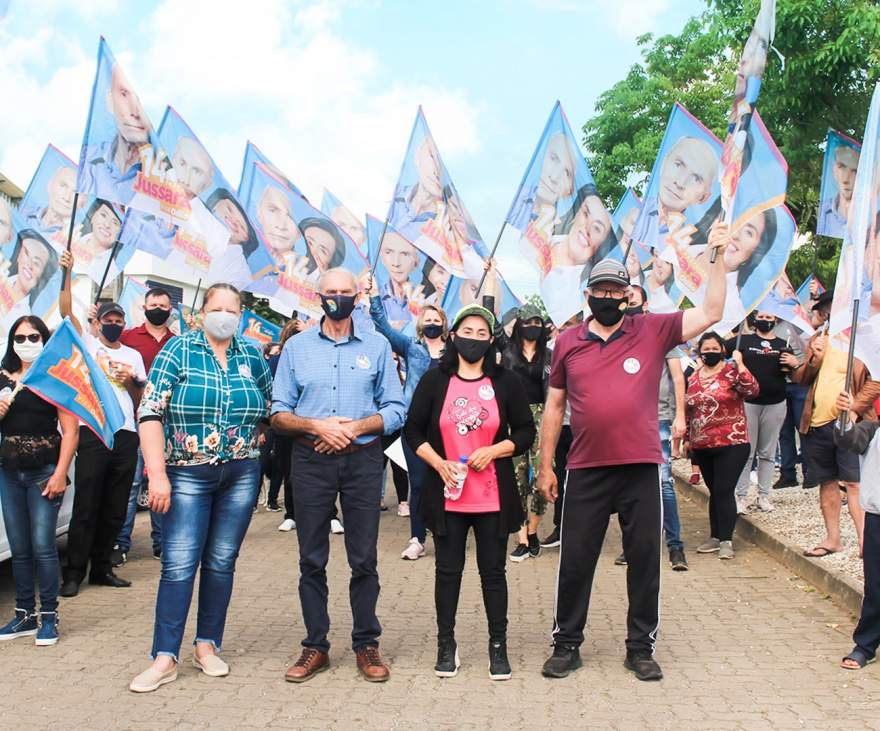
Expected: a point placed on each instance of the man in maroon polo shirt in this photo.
(147, 339)
(609, 370)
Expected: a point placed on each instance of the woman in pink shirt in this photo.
(470, 417)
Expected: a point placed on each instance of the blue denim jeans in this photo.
(418, 470)
(30, 521)
(123, 540)
(671, 522)
(211, 508)
(795, 396)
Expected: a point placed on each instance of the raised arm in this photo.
(699, 319)
(400, 343)
(65, 299)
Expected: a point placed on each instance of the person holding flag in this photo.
(34, 461)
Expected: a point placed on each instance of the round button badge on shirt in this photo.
(632, 366)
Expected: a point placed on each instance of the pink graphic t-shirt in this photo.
(469, 420)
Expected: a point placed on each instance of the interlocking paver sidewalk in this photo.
(744, 645)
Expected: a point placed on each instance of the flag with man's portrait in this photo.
(342, 216)
(839, 168)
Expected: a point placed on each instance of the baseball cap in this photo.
(608, 270)
(527, 312)
(477, 310)
(108, 308)
(824, 299)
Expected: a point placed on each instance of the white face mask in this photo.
(221, 325)
(27, 350)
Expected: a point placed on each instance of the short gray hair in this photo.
(338, 270)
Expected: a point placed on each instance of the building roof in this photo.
(10, 189)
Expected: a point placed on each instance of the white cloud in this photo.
(628, 18)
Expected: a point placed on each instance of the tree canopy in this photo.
(832, 60)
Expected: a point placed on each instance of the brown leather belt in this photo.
(350, 449)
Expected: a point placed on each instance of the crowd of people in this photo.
(497, 424)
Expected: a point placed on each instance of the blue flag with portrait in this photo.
(557, 221)
(47, 204)
(301, 243)
(258, 330)
(782, 301)
(804, 294)
(131, 299)
(838, 181)
(252, 156)
(427, 209)
(764, 176)
(65, 375)
(463, 292)
(334, 209)
(858, 271)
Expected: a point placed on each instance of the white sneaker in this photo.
(753, 477)
(287, 525)
(414, 550)
(741, 507)
(403, 509)
(336, 527)
(764, 504)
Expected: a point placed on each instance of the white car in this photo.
(60, 529)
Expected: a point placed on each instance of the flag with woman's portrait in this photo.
(333, 208)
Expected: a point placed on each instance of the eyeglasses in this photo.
(615, 294)
(33, 337)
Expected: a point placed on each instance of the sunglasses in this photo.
(33, 337)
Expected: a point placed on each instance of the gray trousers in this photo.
(764, 422)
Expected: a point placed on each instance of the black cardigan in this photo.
(423, 425)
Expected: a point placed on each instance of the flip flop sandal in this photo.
(819, 552)
(858, 657)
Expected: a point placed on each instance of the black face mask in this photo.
(764, 326)
(531, 332)
(157, 316)
(711, 359)
(606, 310)
(337, 306)
(111, 332)
(634, 311)
(432, 331)
(471, 350)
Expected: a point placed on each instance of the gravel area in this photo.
(797, 518)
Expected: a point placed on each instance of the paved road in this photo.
(743, 644)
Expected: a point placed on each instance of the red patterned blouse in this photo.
(716, 416)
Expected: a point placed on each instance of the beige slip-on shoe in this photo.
(211, 665)
(151, 679)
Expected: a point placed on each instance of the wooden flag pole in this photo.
(844, 417)
(70, 235)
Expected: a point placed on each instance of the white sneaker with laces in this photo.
(414, 550)
(764, 504)
(336, 527)
(287, 525)
(403, 509)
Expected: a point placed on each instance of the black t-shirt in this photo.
(761, 357)
(30, 430)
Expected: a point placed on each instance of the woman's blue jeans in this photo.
(418, 470)
(30, 521)
(211, 508)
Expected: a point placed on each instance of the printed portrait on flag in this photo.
(301, 243)
(764, 176)
(428, 210)
(804, 294)
(463, 292)
(47, 204)
(838, 181)
(253, 155)
(257, 329)
(557, 220)
(333, 208)
(131, 299)
(623, 221)
(782, 301)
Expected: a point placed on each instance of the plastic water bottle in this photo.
(454, 493)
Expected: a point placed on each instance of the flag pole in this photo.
(70, 235)
(196, 296)
(379, 249)
(107, 270)
(843, 418)
(492, 254)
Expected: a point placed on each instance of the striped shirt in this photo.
(210, 415)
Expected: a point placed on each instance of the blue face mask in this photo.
(337, 306)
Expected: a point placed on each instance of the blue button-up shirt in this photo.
(831, 222)
(100, 177)
(318, 378)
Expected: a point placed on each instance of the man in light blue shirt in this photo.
(336, 389)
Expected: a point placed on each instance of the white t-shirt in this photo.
(120, 357)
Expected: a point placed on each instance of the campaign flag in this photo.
(858, 273)
(623, 220)
(252, 156)
(557, 220)
(257, 329)
(301, 244)
(47, 204)
(764, 177)
(745, 98)
(782, 301)
(803, 292)
(427, 209)
(65, 375)
(838, 178)
(407, 278)
(463, 292)
(131, 299)
(333, 208)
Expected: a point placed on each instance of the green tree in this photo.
(832, 60)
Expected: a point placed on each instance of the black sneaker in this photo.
(520, 553)
(273, 508)
(157, 553)
(564, 660)
(551, 541)
(643, 665)
(118, 557)
(534, 546)
(784, 482)
(678, 560)
(447, 659)
(499, 667)
(620, 560)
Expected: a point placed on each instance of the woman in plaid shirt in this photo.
(207, 394)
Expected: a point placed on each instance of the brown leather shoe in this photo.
(370, 664)
(310, 663)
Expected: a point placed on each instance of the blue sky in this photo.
(329, 88)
